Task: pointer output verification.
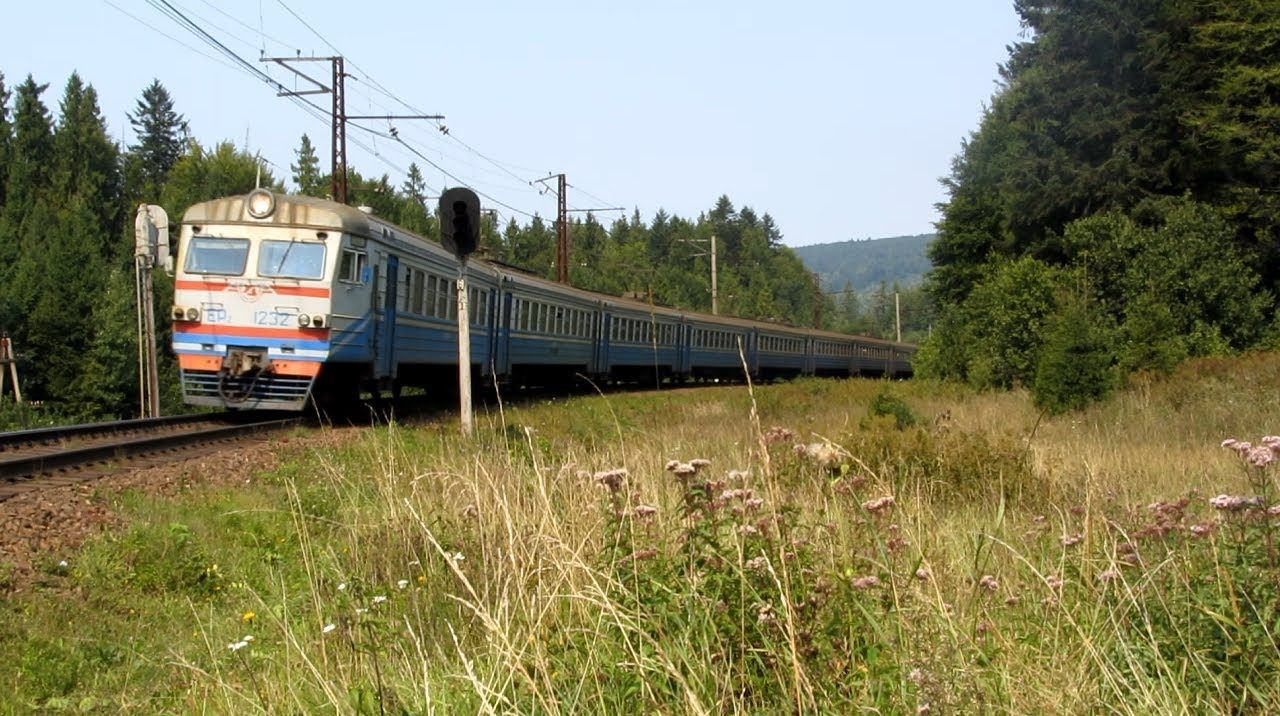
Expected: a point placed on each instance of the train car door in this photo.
(385, 353)
(604, 343)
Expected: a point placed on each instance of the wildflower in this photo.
(738, 475)
(1054, 581)
(778, 434)
(683, 469)
(698, 463)
(342, 587)
(924, 709)
(1261, 456)
(422, 579)
(753, 503)
(1108, 575)
(916, 676)
(897, 544)
(1230, 443)
(672, 465)
(748, 530)
(1274, 510)
(415, 563)
(1012, 600)
(756, 564)
(457, 557)
(1202, 529)
(825, 454)
(765, 615)
(62, 564)
(1272, 441)
(328, 628)
(878, 504)
(611, 479)
(922, 574)
(989, 582)
(645, 511)
(728, 495)
(238, 645)
(402, 583)
(1072, 539)
(1235, 503)
(866, 582)
(379, 599)
(361, 610)
(248, 617)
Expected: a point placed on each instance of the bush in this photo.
(886, 404)
(1075, 364)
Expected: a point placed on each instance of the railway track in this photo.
(48, 457)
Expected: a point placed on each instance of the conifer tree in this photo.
(86, 162)
(306, 169)
(161, 138)
(6, 138)
(25, 219)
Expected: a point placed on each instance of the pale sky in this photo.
(837, 118)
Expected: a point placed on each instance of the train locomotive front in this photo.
(254, 297)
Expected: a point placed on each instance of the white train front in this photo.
(282, 299)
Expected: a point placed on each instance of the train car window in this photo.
(351, 266)
(291, 259)
(441, 308)
(209, 255)
(416, 292)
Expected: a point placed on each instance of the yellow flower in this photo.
(248, 617)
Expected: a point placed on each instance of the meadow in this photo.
(817, 546)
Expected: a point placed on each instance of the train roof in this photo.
(299, 211)
(322, 214)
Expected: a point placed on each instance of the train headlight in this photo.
(261, 203)
(193, 314)
(304, 320)
(317, 321)
(179, 314)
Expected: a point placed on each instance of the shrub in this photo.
(886, 404)
(1075, 363)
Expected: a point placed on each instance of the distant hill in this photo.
(864, 264)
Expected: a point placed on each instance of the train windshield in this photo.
(291, 259)
(225, 257)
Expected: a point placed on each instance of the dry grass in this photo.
(499, 575)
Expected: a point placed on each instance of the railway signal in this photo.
(460, 233)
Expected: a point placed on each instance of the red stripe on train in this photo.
(256, 289)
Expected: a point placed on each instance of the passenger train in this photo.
(284, 300)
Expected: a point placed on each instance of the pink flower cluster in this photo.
(1261, 455)
(878, 504)
(1235, 503)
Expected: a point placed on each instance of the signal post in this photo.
(459, 211)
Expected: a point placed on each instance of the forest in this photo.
(68, 194)
(1118, 208)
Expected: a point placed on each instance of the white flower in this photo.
(247, 638)
(63, 564)
(328, 628)
(379, 599)
(402, 583)
(342, 587)
(457, 557)
(237, 646)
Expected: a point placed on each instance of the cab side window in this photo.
(351, 268)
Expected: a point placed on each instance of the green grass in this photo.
(1019, 569)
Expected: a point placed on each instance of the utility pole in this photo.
(151, 247)
(817, 300)
(338, 114)
(562, 223)
(897, 317)
(715, 289)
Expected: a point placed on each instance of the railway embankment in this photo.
(816, 545)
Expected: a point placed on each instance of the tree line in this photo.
(68, 194)
(1118, 208)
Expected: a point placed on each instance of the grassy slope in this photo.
(530, 587)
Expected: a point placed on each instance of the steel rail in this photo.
(28, 466)
(63, 433)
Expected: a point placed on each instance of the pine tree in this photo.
(86, 162)
(306, 170)
(162, 135)
(6, 139)
(25, 219)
